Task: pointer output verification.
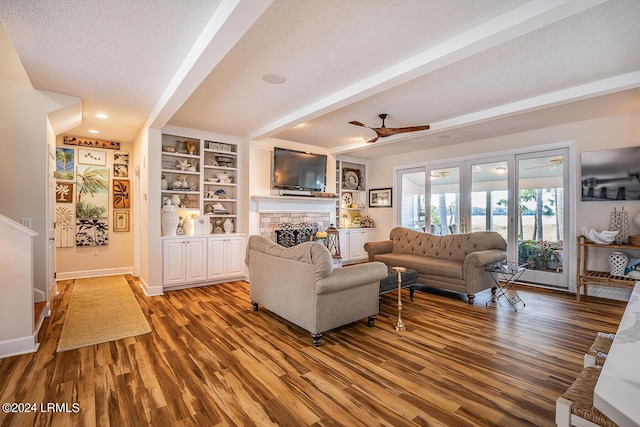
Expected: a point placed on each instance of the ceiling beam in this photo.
(231, 20)
(526, 18)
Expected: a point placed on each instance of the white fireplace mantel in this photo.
(275, 204)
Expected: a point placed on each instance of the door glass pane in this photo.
(489, 197)
(541, 213)
(412, 200)
(445, 201)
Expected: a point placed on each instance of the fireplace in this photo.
(300, 212)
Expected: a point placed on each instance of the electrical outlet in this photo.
(95, 252)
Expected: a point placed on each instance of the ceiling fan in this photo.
(384, 131)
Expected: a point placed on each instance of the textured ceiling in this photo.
(470, 69)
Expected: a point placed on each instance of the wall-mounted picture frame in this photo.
(120, 171)
(121, 157)
(65, 164)
(121, 195)
(120, 221)
(611, 175)
(64, 192)
(92, 157)
(380, 198)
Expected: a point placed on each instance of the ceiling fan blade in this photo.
(409, 129)
(373, 139)
(358, 124)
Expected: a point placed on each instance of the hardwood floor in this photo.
(210, 360)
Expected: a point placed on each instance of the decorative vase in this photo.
(169, 220)
(187, 226)
(175, 200)
(228, 226)
(164, 184)
(617, 262)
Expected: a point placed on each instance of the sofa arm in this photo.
(482, 258)
(375, 248)
(352, 277)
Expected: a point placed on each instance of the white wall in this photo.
(23, 163)
(260, 159)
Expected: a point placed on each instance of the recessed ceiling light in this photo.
(93, 131)
(501, 169)
(444, 136)
(274, 79)
(127, 126)
(102, 116)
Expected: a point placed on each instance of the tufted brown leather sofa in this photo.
(455, 262)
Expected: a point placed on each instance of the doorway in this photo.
(521, 196)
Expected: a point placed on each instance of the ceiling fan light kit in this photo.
(383, 131)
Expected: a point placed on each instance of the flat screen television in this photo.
(297, 170)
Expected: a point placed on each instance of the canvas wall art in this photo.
(120, 171)
(121, 157)
(92, 192)
(611, 174)
(65, 164)
(92, 232)
(92, 157)
(65, 227)
(121, 193)
(64, 192)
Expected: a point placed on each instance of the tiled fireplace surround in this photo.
(274, 210)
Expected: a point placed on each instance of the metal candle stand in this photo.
(399, 324)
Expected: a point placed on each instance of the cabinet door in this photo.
(344, 245)
(235, 254)
(196, 266)
(215, 258)
(356, 246)
(173, 262)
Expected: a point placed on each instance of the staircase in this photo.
(18, 325)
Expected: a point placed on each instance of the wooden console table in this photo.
(593, 277)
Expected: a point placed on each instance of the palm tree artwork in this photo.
(92, 191)
(121, 193)
(64, 163)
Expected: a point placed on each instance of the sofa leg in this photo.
(411, 289)
(471, 298)
(255, 306)
(371, 321)
(316, 339)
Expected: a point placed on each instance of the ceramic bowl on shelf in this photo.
(223, 177)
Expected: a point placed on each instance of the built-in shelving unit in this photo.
(351, 187)
(200, 177)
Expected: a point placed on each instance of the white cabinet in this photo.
(352, 243)
(225, 257)
(183, 261)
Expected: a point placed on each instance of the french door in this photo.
(520, 196)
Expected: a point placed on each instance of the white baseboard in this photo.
(16, 346)
(150, 291)
(94, 273)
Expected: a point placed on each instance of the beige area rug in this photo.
(101, 309)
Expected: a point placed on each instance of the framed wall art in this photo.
(120, 221)
(121, 157)
(611, 175)
(121, 194)
(65, 164)
(64, 192)
(92, 157)
(92, 192)
(120, 171)
(380, 198)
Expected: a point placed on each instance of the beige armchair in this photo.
(300, 285)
